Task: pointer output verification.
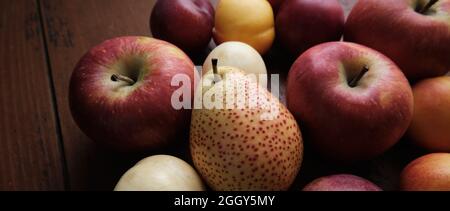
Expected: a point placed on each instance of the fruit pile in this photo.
(350, 101)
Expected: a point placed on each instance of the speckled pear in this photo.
(249, 143)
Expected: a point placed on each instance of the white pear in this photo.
(161, 173)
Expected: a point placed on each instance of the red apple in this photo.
(417, 39)
(302, 24)
(352, 102)
(187, 24)
(428, 173)
(430, 127)
(276, 5)
(120, 93)
(341, 182)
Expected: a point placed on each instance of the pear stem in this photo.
(118, 77)
(215, 71)
(428, 6)
(354, 81)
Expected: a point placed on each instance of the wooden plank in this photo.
(71, 28)
(30, 155)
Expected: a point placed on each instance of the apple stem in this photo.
(428, 6)
(118, 77)
(354, 82)
(214, 66)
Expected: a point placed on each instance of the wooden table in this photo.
(41, 148)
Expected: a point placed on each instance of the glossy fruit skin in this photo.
(418, 44)
(249, 21)
(239, 55)
(430, 127)
(302, 24)
(235, 150)
(341, 182)
(130, 118)
(161, 173)
(187, 24)
(427, 173)
(342, 123)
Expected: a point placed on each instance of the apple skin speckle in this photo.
(341, 182)
(130, 118)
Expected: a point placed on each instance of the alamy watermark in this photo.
(233, 90)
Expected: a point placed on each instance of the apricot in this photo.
(248, 21)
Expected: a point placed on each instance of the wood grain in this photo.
(30, 155)
(71, 28)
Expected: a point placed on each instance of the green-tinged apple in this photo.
(415, 34)
(428, 173)
(249, 143)
(161, 173)
(187, 24)
(352, 102)
(302, 24)
(120, 93)
(239, 55)
(430, 127)
(341, 182)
